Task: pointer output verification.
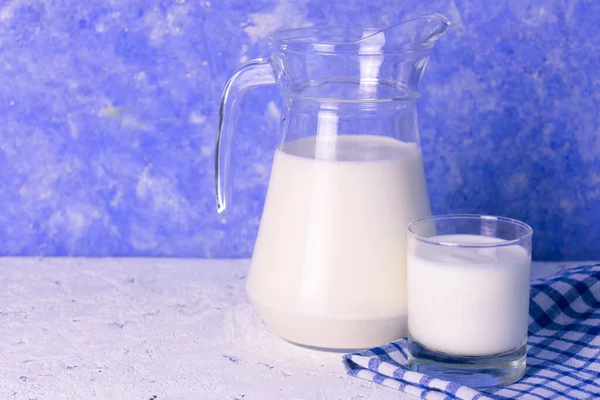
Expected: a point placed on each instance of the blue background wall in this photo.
(108, 114)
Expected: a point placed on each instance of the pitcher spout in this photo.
(413, 34)
(403, 48)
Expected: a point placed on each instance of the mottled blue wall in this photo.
(108, 114)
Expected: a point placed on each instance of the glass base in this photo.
(472, 371)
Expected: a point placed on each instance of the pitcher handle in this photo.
(253, 74)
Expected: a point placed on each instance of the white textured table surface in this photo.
(157, 329)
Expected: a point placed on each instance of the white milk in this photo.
(328, 268)
(468, 302)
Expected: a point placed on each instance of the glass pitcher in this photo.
(328, 268)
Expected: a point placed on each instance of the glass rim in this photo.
(499, 243)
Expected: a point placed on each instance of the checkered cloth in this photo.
(563, 357)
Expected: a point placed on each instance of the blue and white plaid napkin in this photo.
(563, 357)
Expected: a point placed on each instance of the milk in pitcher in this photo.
(328, 267)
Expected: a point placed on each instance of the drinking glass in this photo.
(468, 280)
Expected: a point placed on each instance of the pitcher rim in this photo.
(278, 42)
